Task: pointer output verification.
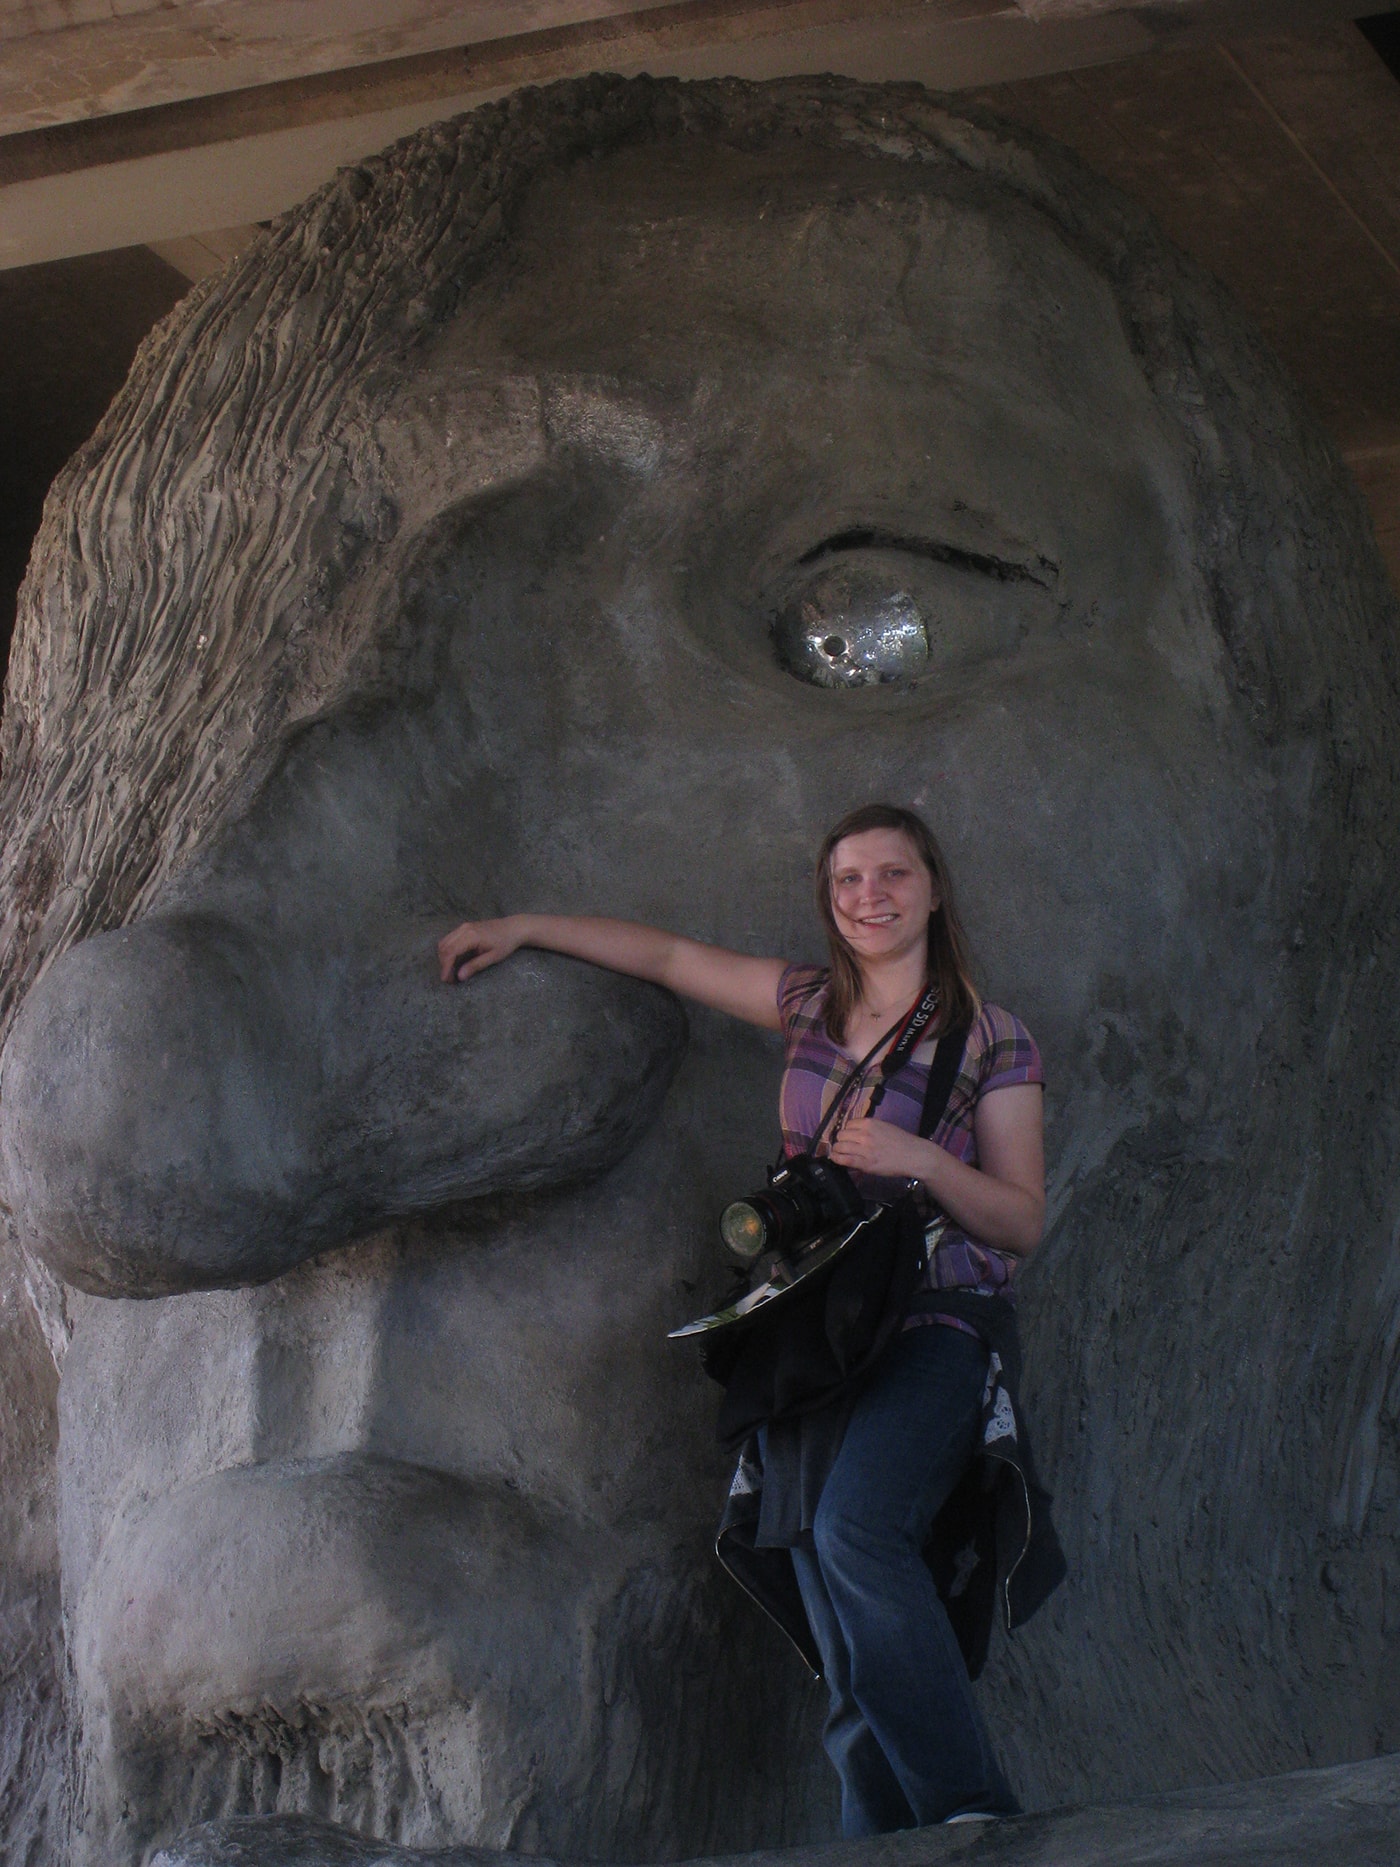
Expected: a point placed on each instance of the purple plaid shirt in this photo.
(1000, 1051)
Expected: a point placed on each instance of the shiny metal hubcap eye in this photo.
(852, 627)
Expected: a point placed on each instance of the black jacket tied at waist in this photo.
(992, 1542)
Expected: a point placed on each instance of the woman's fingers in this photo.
(451, 949)
(471, 963)
(468, 949)
(872, 1146)
(849, 1149)
(475, 945)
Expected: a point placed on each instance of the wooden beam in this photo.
(487, 66)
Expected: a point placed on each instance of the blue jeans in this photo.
(903, 1731)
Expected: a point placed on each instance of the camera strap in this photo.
(909, 1031)
(942, 1074)
(910, 1035)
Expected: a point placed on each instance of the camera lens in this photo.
(742, 1228)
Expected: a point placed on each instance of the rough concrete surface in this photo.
(1349, 1813)
(451, 553)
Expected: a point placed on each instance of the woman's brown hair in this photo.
(949, 961)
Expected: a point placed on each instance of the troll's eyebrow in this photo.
(1039, 570)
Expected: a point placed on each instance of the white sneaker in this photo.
(972, 1815)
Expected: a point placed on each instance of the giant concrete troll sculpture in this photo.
(521, 523)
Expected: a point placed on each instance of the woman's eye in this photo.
(850, 628)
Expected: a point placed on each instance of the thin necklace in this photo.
(858, 1081)
(887, 1011)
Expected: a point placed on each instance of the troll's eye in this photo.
(877, 609)
(853, 627)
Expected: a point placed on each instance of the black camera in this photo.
(804, 1197)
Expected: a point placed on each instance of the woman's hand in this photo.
(475, 945)
(872, 1146)
(1001, 1202)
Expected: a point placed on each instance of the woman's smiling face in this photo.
(881, 894)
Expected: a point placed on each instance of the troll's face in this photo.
(749, 484)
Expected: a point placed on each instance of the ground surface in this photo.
(1350, 1813)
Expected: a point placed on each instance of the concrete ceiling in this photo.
(149, 121)
(72, 59)
(1274, 160)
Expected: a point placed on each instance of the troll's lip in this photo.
(347, 1578)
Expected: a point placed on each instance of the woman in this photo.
(903, 1730)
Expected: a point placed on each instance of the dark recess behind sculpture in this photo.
(68, 332)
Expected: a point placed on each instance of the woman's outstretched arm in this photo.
(733, 982)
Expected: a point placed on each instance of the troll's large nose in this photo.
(182, 1104)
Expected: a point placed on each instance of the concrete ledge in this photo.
(1348, 1814)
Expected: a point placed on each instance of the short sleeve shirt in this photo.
(1000, 1051)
